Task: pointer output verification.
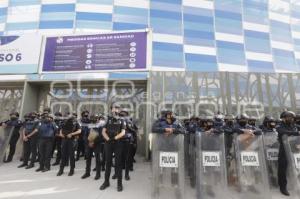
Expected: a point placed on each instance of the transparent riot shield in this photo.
(271, 146)
(292, 150)
(168, 166)
(192, 160)
(5, 134)
(251, 167)
(211, 166)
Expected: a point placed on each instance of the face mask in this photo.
(242, 123)
(272, 125)
(252, 123)
(229, 123)
(289, 120)
(13, 117)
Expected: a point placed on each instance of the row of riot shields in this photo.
(246, 168)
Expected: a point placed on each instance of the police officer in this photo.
(248, 133)
(229, 131)
(268, 125)
(286, 127)
(219, 120)
(129, 142)
(94, 139)
(252, 121)
(169, 125)
(17, 124)
(210, 128)
(270, 141)
(57, 141)
(102, 122)
(297, 121)
(46, 132)
(113, 132)
(159, 120)
(243, 127)
(30, 140)
(82, 141)
(69, 133)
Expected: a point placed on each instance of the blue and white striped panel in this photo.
(164, 12)
(295, 28)
(167, 55)
(131, 14)
(228, 16)
(258, 51)
(23, 16)
(3, 15)
(166, 22)
(56, 14)
(94, 15)
(284, 58)
(229, 36)
(257, 36)
(199, 37)
(284, 61)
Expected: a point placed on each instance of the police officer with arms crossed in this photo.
(286, 127)
(113, 132)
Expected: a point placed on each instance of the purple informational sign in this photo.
(115, 51)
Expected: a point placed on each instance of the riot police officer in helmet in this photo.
(286, 127)
(170, 125)
(17, 124)
(113, 132)
(269, 125)
(243, 127)
(297, 120)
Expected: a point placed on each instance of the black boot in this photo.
(86, 175)
(71, 173)
(39, 169)
(114, 177)
(127, 178)
(120, 187)
(104, 185)
(30, 166)
(55, 163)
(22, 165)
(98, 176)
(284, 191)
(60, 172)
